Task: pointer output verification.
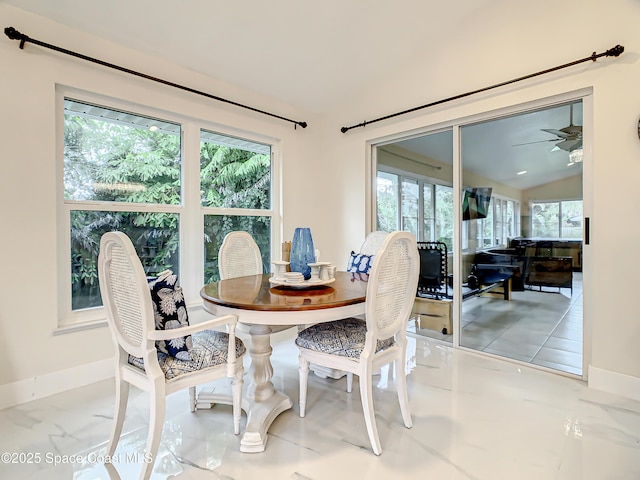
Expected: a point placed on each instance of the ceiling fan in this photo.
(568, 138)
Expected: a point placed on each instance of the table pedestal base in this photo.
(261, 401)
(260, 415)
(262, 311)
(259, 418)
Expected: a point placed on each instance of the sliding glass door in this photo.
(414, 192)
(521, 222)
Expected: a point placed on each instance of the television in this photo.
(475, 203)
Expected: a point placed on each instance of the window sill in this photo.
(78, 327)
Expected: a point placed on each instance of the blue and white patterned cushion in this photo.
(360, 263)
(341, 337)
(170, 311)
(209, 349)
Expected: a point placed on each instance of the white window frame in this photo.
(421, 180)
(502, 200)
(559, 202)
(191, 229)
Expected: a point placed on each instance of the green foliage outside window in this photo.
(117, 159)
(111, 162)
(234, 178)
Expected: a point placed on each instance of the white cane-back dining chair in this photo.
(373, 242)
(239, 255)
(363, 346)
(370, 246)
(127, 299)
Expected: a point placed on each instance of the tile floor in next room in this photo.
(539, 327)
(474, 418)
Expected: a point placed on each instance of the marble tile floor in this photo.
(475, 418)
(542, 328)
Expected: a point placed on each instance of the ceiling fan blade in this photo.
(539, 141)
(569, 144)
(558, 133)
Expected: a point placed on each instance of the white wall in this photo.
(31, 356)
(324, 171)
(514, 39)
(565, 189)
(408, 161)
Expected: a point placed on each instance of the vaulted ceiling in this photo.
(311, 55)
(513, 150)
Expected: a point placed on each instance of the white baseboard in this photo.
(24, 391)
(613, 382)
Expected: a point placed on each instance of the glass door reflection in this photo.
(414, 192)
(522, 237)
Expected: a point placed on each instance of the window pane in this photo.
(119, 157)
(387, 206)
(234, 173)
(509, 220)
(545, 219)
(410, 206)
(429, 221)
(216, 227)
(444, 215)
(154, 236)
(571, 219)
(498, 238)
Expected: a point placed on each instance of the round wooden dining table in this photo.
(265, 308)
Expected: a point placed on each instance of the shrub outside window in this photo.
(125, 171)
(122, 171)
(235, 189)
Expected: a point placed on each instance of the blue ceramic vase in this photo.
(302, 252)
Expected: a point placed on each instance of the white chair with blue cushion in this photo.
(363, 346)
(143, 356)
(359, 264)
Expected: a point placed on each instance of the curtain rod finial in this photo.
(14, 34)
(615, 51)
(11, 33)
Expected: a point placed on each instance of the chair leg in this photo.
(349, 382)
(403, 397)
(236, 391)
(157, 400)
(193, 399)
(122, 398)
(366, 396)
(303, 372)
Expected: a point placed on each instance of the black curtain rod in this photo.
(612, 52)
(13, 34)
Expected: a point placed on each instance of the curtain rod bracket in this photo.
(14, 34)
